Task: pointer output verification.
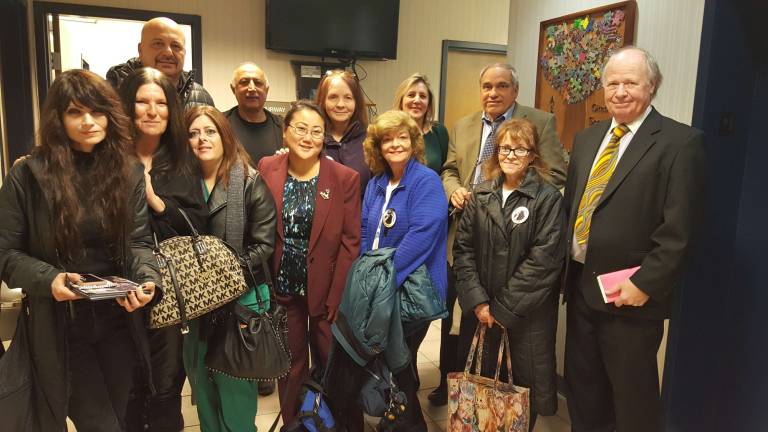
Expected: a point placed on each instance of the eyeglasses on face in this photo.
(209, 133)
(518, 151)
(301, 130)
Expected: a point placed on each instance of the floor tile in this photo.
(429, 375)
(264, 421)
(422, 358)
(269, 404)
(562, 409)
(433, 335)
(431, 350)
(189, 411)
(435, 426)
(434, 413)
(551, 424)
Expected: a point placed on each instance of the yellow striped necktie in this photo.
(598, 179)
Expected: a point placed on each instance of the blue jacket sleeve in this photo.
(427, 230)
(368, 198)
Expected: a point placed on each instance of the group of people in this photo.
(482, 212)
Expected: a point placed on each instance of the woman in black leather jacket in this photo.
(172, 176)
(225, 403)
(508, 255)
(77, 206)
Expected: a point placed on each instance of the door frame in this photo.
(42, 9)
(455, 45)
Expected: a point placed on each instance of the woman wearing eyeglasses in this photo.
(507, 256)
(318, 237)
(242, 213)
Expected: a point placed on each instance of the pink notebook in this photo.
(610, 280)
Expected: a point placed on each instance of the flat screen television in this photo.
(334, 28)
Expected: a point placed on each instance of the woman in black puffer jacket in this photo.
(508, 256)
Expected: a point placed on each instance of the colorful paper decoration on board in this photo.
(575, 53)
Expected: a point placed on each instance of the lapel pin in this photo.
(520, 215)
(326, 194)
(389, 218)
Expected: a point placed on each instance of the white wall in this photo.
(83, 39)
(233, 32)
(669, 29)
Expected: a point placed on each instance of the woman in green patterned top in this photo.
(318, 236)
(414, 96)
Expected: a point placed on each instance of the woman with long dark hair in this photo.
(172, 183)
(242, 213)
(77, 206)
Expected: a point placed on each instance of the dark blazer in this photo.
(334, 241)
(647, 214)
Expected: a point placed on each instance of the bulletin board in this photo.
(572, 51)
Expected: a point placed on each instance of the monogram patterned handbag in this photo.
(200, 273)
(478, 403)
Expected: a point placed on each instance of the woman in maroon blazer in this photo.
(318, 237)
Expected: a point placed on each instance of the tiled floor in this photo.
(429, 374)
(430, 377)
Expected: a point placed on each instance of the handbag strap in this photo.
(274, 423)
(478, 342)
(198, 247)
(234, 220)
(192, 228)
(267, 277)
(503, 348)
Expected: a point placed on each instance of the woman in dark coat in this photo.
(508, 257)
(172, 183)
(242, 213)
(77, 205)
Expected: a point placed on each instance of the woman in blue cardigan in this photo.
(404, 207)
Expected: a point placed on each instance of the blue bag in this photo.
(314, 413)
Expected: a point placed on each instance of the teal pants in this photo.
(224, 404)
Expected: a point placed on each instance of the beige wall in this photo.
(233, 31)
(670, 30)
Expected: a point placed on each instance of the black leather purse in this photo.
(250, 345)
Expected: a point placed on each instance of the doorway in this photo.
(70, 36)
(459, 77)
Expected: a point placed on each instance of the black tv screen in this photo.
(334, 28)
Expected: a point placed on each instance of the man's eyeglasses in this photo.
(209, 133)
(301, 131)
(518, 151)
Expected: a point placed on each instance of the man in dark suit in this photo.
(471, 143)
(632, 195)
